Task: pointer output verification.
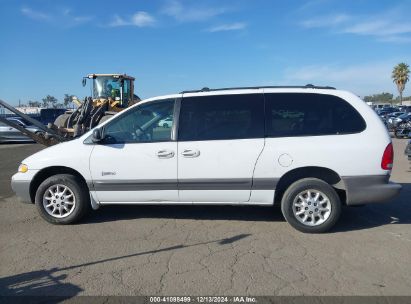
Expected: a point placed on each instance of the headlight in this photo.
(23, 168)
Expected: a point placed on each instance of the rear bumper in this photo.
(22, 190)
(369, 189)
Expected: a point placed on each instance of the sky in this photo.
(47, 46)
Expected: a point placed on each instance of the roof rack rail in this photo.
(307, 86)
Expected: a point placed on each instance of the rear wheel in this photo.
(62, 199)
(311, 205)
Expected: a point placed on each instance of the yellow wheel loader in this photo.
(110, 94)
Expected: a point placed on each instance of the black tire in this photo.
(104, 118)
(300, 186)
(80, 193)
(61, 121)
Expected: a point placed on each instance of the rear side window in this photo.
(221, 117)
(303, 114)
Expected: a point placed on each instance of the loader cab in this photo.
(116, 87)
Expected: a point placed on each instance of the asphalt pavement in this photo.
(203, 250)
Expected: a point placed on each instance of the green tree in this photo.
(400, 76)
(32, 103)
(382, 97)
(49, 102)
(68, 98)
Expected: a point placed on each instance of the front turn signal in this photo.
(23, 168)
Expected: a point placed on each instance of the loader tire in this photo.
(104, 118)
(61, 121)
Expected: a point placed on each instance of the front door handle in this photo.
(165, 154)
(190, 153)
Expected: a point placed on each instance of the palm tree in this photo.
(400, 76)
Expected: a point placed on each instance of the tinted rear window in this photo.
(303, 114)
(221, 117)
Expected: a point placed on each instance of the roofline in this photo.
(90, 76)
(308, 86)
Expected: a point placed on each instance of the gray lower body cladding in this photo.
(359, 189)
(369, 189)
(185, 184)
(22, 190)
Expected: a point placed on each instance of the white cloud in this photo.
(63, 17)
(390, 26)
(362, 79)
(139, 19)
(142, 19)
(33, 14)
(228, 27)
(71, 20)
(175, 9)
(325, 21)
(379, 28)
(395, 39)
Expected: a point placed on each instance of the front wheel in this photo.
(62, 199)
(311, 205)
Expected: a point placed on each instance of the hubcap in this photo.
(59, 201)
(311, 207)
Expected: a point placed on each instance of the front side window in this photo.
(305, 114)
(221, 117)
(141, 124)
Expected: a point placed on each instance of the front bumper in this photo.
(20, 183)
(22, 190)
(369, 189)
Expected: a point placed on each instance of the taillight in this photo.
(387, 158)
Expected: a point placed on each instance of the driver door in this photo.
(137, 160)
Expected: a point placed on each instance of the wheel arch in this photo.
(327, 175)
(45, 173)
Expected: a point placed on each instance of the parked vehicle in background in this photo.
(10, 134)
(43, 115)
(380, 106)
(389, 119)
(408, 148)
(404, 108)
(47, 116)
(403, 129)
(309, 149)
(399, 119)
(166, 123)
(384, 111)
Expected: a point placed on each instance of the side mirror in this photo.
(84, 81)
(97, 135)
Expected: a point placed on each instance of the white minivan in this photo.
(309, 149)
